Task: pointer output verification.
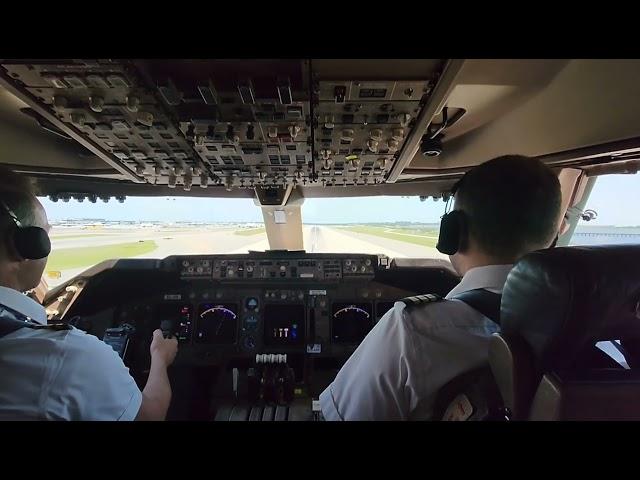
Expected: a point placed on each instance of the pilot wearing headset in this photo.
(503, 209)
(57, 372)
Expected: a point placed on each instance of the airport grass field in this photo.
(67, 258)
(73, 236)
(427, 237)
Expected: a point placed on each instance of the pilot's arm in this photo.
(156, 395)
(90, 382)
(374, 384)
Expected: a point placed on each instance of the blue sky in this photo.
(318, 210)
(609, 193)
(616, 199)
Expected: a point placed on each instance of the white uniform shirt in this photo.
(397, 370)
(60, 375)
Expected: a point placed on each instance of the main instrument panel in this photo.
(259, 335)
(238, 306)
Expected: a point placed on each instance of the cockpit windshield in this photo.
(85, 233)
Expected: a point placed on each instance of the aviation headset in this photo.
(454, 227)
(31, 243)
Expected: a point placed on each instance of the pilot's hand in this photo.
(163, 349)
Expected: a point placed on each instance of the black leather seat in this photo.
(556, 305)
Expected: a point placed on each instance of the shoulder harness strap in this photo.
(11, 320)
(483, 301)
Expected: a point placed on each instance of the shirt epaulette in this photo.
(420, 300)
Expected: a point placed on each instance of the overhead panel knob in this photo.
(96, 103)
(204, 180)
(329, 121)
(376, 134)
(397, 134)
(231, 134)
(145, 118)
(251, 134)
(293, 131)
(188, 181)
(172, 180)
(133, 103)
(347, 135)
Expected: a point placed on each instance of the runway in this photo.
(207, 240)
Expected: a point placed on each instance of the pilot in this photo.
(510, 206)
(60, 374)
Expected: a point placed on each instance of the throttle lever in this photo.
(168, 328)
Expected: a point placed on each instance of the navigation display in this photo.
(217, 324)
(351, 322)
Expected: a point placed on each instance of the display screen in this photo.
(180, 315)
(351, 322)
(284, 324)
(217, 324)
(382, 308)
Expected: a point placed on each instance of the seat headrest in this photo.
(562, 301)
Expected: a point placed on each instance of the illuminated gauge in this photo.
(251, 303)
(217, 324)
(284, 324)
(351, 322)
(250, 322)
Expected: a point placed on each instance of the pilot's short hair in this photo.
(512, 204)
(18, 192)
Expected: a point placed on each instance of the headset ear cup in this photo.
(452, 233)
(448, 236)
(32, 243)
